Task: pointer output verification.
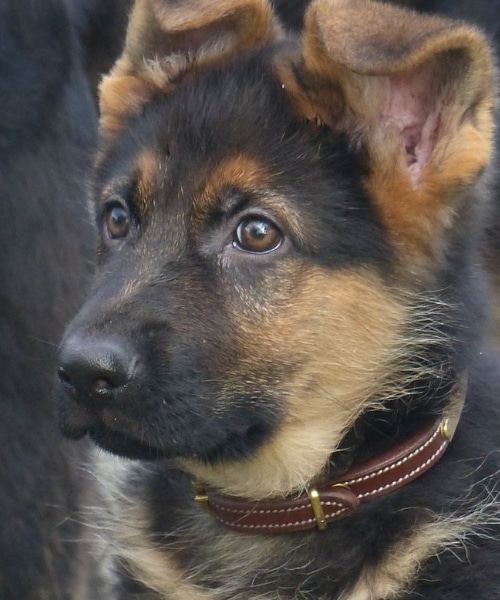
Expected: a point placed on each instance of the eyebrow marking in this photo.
(240, 172)
(243, 182)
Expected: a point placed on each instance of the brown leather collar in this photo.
(319, 506)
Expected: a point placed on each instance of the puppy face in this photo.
(243, 276)
(251, 303)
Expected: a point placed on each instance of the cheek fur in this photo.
(329, 385)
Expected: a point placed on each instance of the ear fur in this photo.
(167, 38)
(417, 92)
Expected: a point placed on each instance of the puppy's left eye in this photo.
(257, 235)
(116, 220)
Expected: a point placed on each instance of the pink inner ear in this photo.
(414, 106)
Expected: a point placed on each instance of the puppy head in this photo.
(279, 266)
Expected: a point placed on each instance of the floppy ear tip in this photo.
(174, 17)
(116, 91)
(120, 97)
(373, 37)
(474, 42)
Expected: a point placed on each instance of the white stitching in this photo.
(399, 462)
(277, 525)
(239, 511)
(408, 475)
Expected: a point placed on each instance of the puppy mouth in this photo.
(124, 445)
(123, 436)
(82, 421)
(114, 441)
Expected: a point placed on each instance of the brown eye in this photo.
(117, 221)
(258, 235)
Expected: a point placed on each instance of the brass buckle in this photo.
(200, 496)
(319, 515)
(445, 430)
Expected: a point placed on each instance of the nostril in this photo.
(64, 378)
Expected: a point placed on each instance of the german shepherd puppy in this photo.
(289, 311)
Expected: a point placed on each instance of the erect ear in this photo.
(167, 38)
(416, 92)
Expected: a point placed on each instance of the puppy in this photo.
(287, 330)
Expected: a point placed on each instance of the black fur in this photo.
(291, 12)
(48, 126)
(100, 26)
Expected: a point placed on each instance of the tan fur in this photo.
(121, 96)
(150, 168)
(394, 573)
(252, 18)
(417, 219)
(242, 172)
(335, 382)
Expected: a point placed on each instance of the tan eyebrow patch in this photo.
(150, 170)
(240, 171)
(247, 174)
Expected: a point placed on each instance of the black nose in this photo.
(95, 367)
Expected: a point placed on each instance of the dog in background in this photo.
(48, 135)
(48, 130)
(287, 329)
(100, 26)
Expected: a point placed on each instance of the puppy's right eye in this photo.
(116, 220)
(257, 235)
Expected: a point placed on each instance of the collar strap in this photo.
(324, 504)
